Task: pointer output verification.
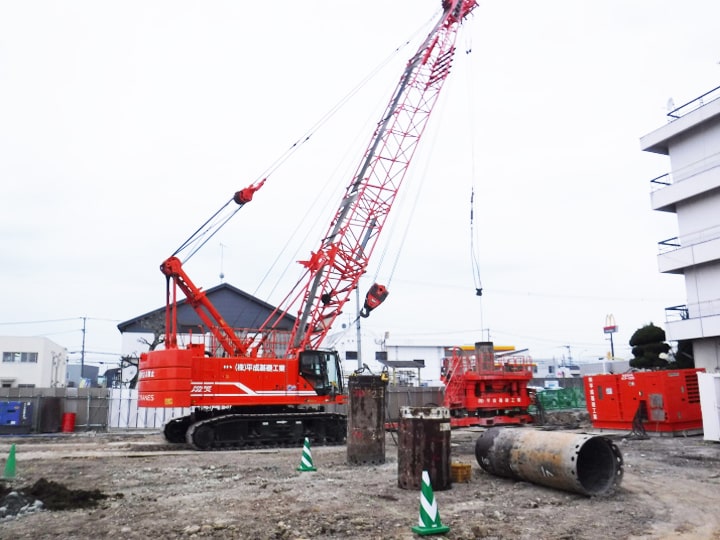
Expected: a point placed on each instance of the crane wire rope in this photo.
(219, 219)
(330, 182)
(474, 234)
(414, 206)
(339, 105)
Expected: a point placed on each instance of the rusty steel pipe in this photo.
(581, 463)
(424, 445)
(365, 422)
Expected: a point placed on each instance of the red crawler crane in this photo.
(266, 386)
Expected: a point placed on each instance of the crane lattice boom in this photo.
(335, 269)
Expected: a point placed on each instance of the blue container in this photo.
(16, 417)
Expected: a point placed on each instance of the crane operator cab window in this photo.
(322, 370)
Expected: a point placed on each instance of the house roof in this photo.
(238, 308)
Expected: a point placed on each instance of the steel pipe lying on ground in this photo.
(581, 463)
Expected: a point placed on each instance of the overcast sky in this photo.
(125, 125)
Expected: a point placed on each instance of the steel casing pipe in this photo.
(581, 463)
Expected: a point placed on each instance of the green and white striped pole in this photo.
(429, 522)
(306, 462)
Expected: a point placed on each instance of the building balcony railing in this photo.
(676, 313)
(708, 308)
(688, 240)
(671, 244)
(659, 182)
(682, 110)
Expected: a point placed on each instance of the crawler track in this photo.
(235, 430)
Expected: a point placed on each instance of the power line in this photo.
(40, 322)
(59, 320)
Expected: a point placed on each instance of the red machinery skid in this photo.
(657, 401)
(481, 391)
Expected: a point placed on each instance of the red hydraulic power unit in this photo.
(654, 401)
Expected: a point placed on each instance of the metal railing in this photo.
(687, 240)
(707, 308)
(682, 110)
(676, 313)
(659, 182)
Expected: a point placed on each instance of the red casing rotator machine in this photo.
(481, 390)
(265, 386)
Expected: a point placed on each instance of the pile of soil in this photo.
(45, 494)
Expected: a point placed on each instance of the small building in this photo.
(32, 362)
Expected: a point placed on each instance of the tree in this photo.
(649, 348)
(130, 362)
(133, 360)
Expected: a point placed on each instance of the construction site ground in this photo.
(134, 485)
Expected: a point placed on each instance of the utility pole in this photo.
(82, 351)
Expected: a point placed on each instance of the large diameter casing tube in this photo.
(581, 463)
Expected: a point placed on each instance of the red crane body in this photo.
(265, 380)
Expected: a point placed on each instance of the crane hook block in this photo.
(374, 297)
(245, 195)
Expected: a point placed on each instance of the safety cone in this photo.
(429, 522)
(306, 463)
(10, 464)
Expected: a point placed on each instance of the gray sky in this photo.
(124, 125)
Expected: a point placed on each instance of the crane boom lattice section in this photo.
(336, 267)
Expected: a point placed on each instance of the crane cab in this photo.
(322, 370)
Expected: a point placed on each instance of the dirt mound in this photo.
(48, 495)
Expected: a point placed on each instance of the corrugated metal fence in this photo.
(107, 409)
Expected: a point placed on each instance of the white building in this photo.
(32, 362)
(691, 190)
(421, 362)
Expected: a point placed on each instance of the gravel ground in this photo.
(134, 485)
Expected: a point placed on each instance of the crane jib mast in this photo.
(269, 386)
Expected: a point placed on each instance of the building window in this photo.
(23, 357)
(26, 386)
(350, 355)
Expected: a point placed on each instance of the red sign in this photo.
(610, 329)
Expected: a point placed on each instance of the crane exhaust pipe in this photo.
(581, 463)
